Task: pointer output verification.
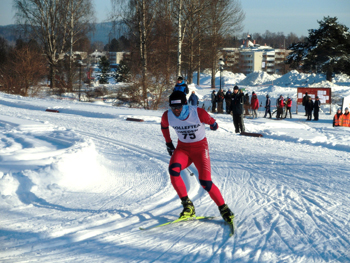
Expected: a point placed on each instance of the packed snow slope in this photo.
(75, 186)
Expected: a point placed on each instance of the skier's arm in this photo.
(165, 130)
(165, 127)
(204, 117)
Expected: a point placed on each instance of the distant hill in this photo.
(103, 32)
(10, 33)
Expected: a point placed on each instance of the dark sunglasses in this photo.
(177, 107)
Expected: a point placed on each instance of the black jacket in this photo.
(237, 102)
(317, 104)
(309, 106)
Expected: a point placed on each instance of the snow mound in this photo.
(294, 78)
(257, 78)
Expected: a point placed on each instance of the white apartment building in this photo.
(251, 57)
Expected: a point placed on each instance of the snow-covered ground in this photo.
(75, 186)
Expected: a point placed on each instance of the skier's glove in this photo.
(170, 147)
(214, 126)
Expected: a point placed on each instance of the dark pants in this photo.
(220, 107)
(228, 106)
(309, 115)
(316, 115)
(238, 123)
(267, 111)
(279, 112)
(213, 107)
(290, 112)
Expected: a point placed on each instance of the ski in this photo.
(232, 229)
(179, 220)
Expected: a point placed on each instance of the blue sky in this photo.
(285, 16)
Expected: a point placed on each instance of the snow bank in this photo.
(257, 78)
(294, 78)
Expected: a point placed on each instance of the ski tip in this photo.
(141, 228)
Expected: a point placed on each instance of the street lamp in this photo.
(221, 65)
(80, 62)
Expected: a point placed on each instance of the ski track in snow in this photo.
(291, 202)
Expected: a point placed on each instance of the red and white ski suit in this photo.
(192, 147)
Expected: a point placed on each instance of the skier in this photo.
(192, 147)
(181, 85)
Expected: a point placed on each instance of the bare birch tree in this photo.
(225, 18)
(139, 16)
(54, 24)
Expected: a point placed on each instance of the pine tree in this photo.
(105, 68)
(122, 72)
(325, 50)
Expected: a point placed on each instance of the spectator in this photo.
(237, 102)
(317, 106)
(346, 118)
(305, 101)
(289, 107)
(213, 101)
(267, 106)
(338, 118)
(220, 100)
(309, 107)
(255, 105)
(228, 97)
(181, 85)
(246, 104)
(280, 105)
(193, 99)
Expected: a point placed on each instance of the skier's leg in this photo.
(179, 161)
(202, 162)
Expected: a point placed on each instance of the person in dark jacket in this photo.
(317, 106)
(220, 100)
(213, 101)
(305, 101)
(181, 85)
(268, 106)
(237, 102)
(228, 97)
(309, 107)
(193, 99)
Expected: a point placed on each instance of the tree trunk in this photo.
(329, 76)
(179, 46)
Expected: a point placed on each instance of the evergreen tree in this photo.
(122, 72)
(105, 68)
(325, 50)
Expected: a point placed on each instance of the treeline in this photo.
(174, 37)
